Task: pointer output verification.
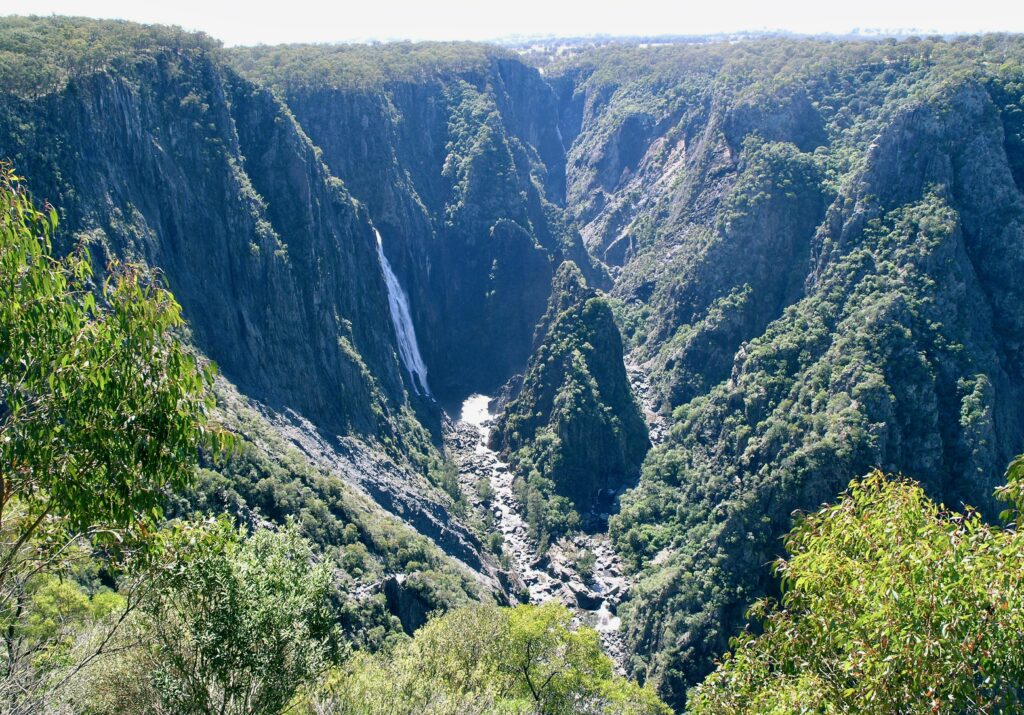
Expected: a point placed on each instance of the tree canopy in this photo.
(891, 604)
(102, 408)
(234, 624)
(102, 411)
(487, 660)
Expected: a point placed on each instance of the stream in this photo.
(555, 574)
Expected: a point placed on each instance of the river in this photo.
(544, 577)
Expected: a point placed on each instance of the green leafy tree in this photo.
(557, 665)
(892, 604)
(102, 410)
(1013, 491)
(485, 659)
(585, 563)
(239, 623)
(102, 407)
(234, 625)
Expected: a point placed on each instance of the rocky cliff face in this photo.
(174, 160)
(812, 250)
(575, 421)
(182, 164)
(461, 171)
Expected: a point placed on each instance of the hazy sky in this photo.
(258, 21)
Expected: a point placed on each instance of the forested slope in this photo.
(811, 251)
(819, 244)
(153, 150)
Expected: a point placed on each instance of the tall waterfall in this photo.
(398, 302)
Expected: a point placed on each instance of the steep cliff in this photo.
(455, 151)
(575, 423)
(817, 278)
(163, 154)
(813, 250)
(179, 163)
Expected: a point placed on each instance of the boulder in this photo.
(405, 603)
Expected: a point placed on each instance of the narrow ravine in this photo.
(554, 575)
(640, 382)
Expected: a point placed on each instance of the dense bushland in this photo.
(891, 603)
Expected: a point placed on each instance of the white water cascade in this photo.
(398, 302)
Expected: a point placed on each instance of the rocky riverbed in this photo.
(640, 382)
(594, 596)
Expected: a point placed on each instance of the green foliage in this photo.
(575, 427)
(41, 55)
(585, 562)
(495, 542)
(233, 624)
(891, 604)
(548, 514)
(1013, 491)
(294, 67)
(484, 659)
(485, 490)
(447, 477)
(102, 410)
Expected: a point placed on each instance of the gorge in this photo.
(705, 283)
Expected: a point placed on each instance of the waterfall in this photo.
(398, 302)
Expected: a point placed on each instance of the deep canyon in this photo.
(587, 325)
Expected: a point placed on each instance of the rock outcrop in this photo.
(575, 420)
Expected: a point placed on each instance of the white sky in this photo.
(259, 21)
